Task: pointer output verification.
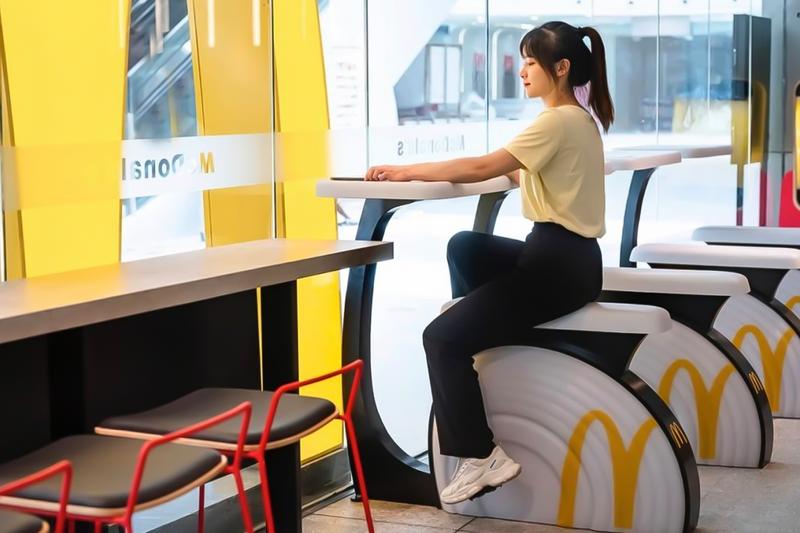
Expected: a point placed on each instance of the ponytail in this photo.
(599, 95)
(553, 41)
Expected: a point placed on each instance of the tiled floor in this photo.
(733, 500)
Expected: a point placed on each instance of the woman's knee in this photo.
(459, 245)
(438, 338)
(431, 337)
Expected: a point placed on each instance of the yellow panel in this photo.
(301, 152)
(239, 214)
(64, 73)
(797, 138)
(233, 87)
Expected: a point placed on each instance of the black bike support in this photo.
(488, 208)
(698, 312)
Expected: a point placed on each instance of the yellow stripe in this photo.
(64, 87)
(301, 159)
(707, 401)
(772, 361)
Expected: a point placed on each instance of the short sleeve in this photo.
(538, 143)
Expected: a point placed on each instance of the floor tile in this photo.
(331, 524)
(398, 513)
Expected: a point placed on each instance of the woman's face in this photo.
(535, 79)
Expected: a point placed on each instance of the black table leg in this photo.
(488, 208)
(391, 474)
(279, 334)
(633, 211)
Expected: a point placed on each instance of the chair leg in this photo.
(71, 526)
(351, 440)
(98, 526)
(201, 509)
(246, 516)
(267, 503)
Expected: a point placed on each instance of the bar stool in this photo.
(15, 522)
(110, 482)
(288, 418)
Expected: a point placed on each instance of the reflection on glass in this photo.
(160, 105)
(427, 90)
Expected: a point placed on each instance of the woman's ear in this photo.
(562, 68)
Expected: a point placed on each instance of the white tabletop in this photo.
(689, 151)
(615, 160)
(45, 304)
(621, 160)
(409, 190)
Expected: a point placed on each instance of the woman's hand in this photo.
(390, 173)
(464, 170)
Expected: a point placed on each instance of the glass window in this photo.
(437, 79)
(160, 105)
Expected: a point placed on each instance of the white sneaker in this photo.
(475, 475)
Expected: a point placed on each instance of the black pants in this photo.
(509, 287)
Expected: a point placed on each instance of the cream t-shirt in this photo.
(562, 178)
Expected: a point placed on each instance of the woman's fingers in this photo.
(375, 173)
(384, 173)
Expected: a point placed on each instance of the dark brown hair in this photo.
(553, 41)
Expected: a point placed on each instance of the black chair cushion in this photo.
(295, 415)
(11, 522)
(103, 470)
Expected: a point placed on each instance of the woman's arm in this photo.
(465, 170)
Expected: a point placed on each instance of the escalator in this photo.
(160, 100)
(160, 104)
(160, 93)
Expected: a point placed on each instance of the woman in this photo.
(510, 286)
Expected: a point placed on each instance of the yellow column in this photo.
(64, 72)
(233, 84)
(233, 89)
(301, 159)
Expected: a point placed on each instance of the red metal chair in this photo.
(14, 522)
(110, 482)
(287, 418)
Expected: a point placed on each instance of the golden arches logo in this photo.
(625, 462)
(755, 382)
(791, 302)
(707, 401)
(678, 435)
(772, 361)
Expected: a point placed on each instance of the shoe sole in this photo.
(491, 485)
